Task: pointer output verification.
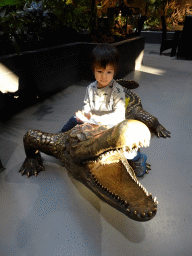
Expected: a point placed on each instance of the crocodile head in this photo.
(96, 157)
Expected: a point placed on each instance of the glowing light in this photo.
(9, 82)
(150, 70)
(139, 60)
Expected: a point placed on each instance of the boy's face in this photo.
(104, 75)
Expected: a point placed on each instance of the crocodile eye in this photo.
(81, 136)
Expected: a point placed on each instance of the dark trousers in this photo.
(70, 124)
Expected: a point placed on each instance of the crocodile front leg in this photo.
(138, 113)
(35, 141)
(135, 111)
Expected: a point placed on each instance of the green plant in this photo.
(82, 14)
(74, 13)
(11, 2)
(154, 9)
(21, 30)
(175, 13)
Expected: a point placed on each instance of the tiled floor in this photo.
(53, 214)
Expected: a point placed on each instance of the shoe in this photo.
(139, 166)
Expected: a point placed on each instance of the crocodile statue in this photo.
(94, 155)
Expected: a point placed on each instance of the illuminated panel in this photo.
(9, 82)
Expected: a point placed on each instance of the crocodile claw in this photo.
(32, 166)
(162, 132)
(148, 166)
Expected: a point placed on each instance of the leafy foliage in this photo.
(154, 11)
(10, 2)
(175, 13)
(74, 13)
(46, 24)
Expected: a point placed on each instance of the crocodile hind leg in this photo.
(35, 141)
(32, 165)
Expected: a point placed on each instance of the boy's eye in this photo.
(101, 72)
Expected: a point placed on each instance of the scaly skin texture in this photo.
(94, 156)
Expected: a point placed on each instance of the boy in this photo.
(104, 101)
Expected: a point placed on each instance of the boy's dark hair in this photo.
(105, 54)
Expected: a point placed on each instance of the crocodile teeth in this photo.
(150, 195)
(155, 199)
(143, 214)
(122, 201)
(116, 196)
(126, 204)
(155, 209)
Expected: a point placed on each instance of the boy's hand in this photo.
(87, 115)
(82, 116)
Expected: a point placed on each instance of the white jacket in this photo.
(107, 103)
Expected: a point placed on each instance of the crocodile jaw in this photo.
(113, 180)
(110, 176)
